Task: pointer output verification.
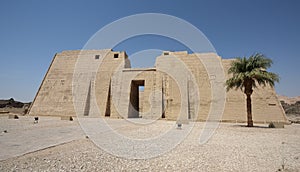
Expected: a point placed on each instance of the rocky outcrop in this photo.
(12, 103)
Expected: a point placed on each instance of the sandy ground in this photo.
(57, 145)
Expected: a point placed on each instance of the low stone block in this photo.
(69, 118)
(276, 125)
(11, 116)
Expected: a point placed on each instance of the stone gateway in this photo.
(101, 83)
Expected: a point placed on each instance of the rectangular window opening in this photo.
(116, 56)
(97, 57)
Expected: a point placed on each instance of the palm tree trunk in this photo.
(249, 111)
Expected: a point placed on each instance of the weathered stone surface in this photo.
(182, 86)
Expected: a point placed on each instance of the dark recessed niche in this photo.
(116, 56)
(97, 56)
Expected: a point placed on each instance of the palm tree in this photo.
(247, 73)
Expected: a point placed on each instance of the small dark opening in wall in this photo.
(116, 55)
(97, 56)
(166, 53)
(272, 104)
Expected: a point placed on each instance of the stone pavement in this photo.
(233, 147)
(23, 136)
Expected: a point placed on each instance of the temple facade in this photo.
(101, 83)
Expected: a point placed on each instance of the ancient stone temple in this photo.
(101, 83)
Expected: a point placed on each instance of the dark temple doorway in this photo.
(134, 106)
(108, 102)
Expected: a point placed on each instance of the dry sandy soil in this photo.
(233, 147)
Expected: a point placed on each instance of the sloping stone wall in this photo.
(182, 86)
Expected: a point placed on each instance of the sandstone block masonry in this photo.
(101, 83)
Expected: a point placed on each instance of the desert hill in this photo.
(13, 106)
(291, 106)
(289, 100)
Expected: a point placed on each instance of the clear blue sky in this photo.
(32, 32)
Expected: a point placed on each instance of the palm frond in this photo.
(251, 70)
